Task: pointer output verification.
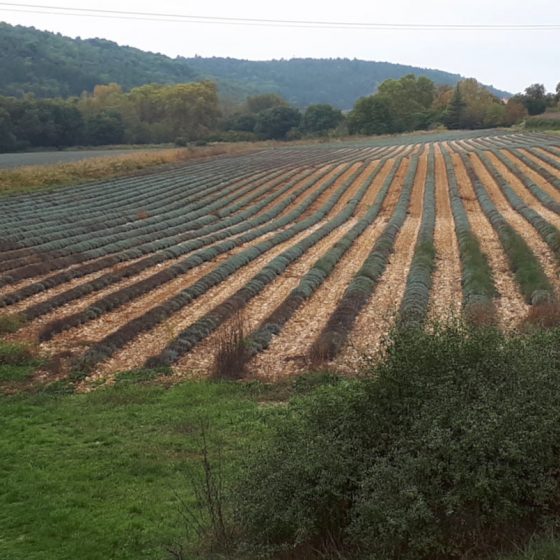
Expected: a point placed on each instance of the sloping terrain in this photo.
(311, 252)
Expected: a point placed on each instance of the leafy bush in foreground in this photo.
(450, 446)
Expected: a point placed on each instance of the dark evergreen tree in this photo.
(454, 117)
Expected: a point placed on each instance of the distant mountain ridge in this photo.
(303, 81)
(50, 65)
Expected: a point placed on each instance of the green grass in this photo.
(100, 476)
(15, 353)
(10, 323)
(11, 373)
(95, 476)
(539, 549)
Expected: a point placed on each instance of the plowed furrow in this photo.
(534, 176)
(446, 296)
(377, 317)
(287, 353)
(529, 199)
(200, 360)
(372, 192)
(544, 164)
(522, 226)
(510, 306)
(153, 342)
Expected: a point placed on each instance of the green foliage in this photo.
(537, 549)
(32, 122)
(398, 106)
(306, 81)
(473, 106)
(17, 362)
(535, 99)
(10, 323)
(15, 354)
(455, 111)
(275, 123)
(242, 122)
(371, 115)
(147, 114)
(410, 99)
(412, 103)
(105, 128)
(452, 443)
(319, 119)
(544, 122)
(50, 65)
(258, 103)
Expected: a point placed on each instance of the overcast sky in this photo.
(509, 60)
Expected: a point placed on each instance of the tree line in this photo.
(147, 114)
(413, 103)
(194, 112)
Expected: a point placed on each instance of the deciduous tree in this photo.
(318, 119)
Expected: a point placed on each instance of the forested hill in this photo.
(303, 81)
(50, 65)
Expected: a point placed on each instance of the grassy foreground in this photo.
(99, 475)
(107, 474)
(36, 177)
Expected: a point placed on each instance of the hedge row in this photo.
(162, 249)
(259, 340)
(112, 195)
(547, 156)
(128, 332)
(414, 305)
(533, 282)
(75, 211)
(364, 282)
(216, 175)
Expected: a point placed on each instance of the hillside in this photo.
(303, 81)
(49, 65)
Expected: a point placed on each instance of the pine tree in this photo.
(454, 118)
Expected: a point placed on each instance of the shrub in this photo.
(230, 359)
(451, 445)
(10, 323)
(15, 354)
(543, 316)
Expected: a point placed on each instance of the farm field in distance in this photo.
(308, 253)
(14, 160)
